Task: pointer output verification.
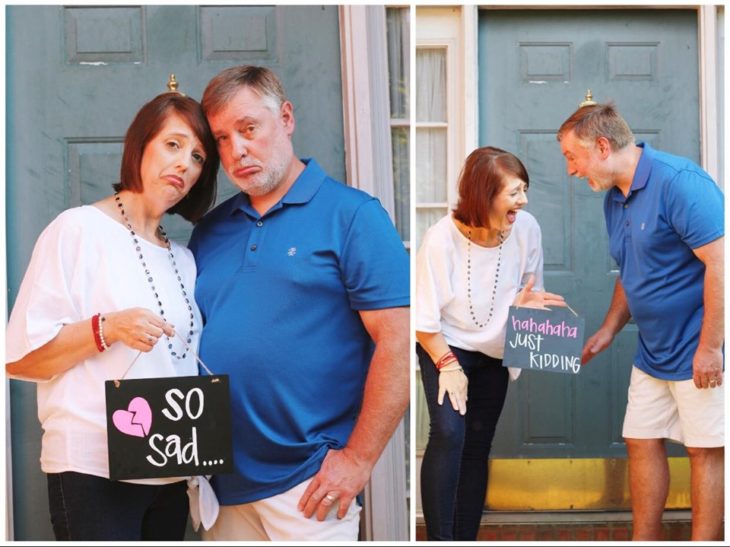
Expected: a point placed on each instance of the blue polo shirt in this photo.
(673, 206)
(280, 296)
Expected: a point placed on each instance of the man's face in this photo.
(585, 160)
(253, 141)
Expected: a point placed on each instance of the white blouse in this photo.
(442, 303)
(85, 263)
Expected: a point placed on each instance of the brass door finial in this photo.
(172, 85)
(588, 101)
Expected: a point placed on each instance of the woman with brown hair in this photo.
(107, 295)
(472, 266)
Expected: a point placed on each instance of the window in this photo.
(432, 127)
(398, 38)
(397, 22)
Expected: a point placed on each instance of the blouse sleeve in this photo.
(534, 262)
(45, 301)
(433, 283)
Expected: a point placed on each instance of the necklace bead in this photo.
(468, 280)
(151, 281)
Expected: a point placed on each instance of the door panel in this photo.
(535, 67)
(76, 76)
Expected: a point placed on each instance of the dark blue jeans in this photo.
(85, 507)
(454, 469)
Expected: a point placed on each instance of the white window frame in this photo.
(455, 29)
(366, 112)
(369, 166)
(711, 38)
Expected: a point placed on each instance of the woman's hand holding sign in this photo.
(527, 298)
(138, 328)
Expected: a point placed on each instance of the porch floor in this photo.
(568, 526)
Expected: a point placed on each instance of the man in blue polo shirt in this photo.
(664, 216)
(303, 284)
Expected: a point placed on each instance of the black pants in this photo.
(85, 507)
(454, 469)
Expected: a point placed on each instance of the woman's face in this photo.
(172, 161)
(510, 199)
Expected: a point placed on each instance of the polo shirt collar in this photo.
(307, 183)
(641, 175)
(303, 189)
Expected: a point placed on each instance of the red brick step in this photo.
(568, 526)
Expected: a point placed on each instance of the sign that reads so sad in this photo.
(550, 340)
(168, 427)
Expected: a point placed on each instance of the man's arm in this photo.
(617, 316)
(345, 472)
(707, 362)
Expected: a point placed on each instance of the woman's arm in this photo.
(73, 343)
(137, 328)
(452, 379)
(434, 343)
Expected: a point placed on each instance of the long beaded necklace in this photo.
(468, 279)
(151, 280)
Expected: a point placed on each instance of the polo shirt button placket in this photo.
(251, 256)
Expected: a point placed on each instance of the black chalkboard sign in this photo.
(548, 340)
(168, 427)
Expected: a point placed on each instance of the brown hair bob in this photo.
(481, 179)
(146, 125)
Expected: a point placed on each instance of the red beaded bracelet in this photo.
(446, 359)
(100, 345)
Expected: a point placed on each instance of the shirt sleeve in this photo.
(374, 262)
(695, 208)
(433, 283)
(193, 243)
(46, 301)
(534, 257)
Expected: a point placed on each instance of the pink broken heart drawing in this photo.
(136, 420)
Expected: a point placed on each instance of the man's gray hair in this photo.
(599, 120)
(227, 83)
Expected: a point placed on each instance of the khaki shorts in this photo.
(278, 519)
(662, 409)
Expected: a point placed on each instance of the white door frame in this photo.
(368, 164)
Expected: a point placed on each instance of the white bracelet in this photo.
(101, 333)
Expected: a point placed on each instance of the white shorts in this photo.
(663, 409)
(278, 519)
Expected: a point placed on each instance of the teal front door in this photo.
(534, 68)
(76, 76)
